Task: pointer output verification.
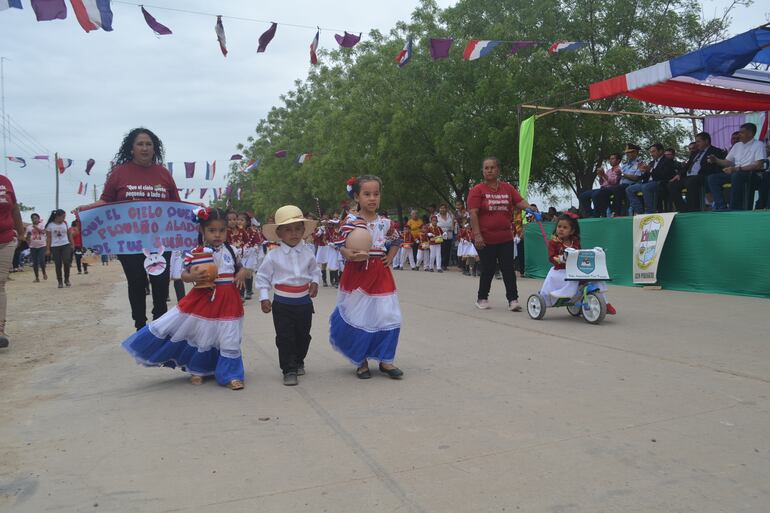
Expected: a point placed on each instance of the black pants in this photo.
(619, 200)
(694, 186)
(446, 250)
(62, 258)
(292, 334)
(82, 266)
(490, 256)
(133, 268)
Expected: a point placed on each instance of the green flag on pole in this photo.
(526, 144)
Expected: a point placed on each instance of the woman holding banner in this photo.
(139, 175)
(491, 204)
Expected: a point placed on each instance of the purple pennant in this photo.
(228, 190)
(158, 28)
(348, 40)
(439, 48)
(236, 156)
(90, 166)
(520, 45)
(189, 169)
(203, 191)
(47, 10)
(281, 153)
(265, 38)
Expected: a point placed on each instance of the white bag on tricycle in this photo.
(586, 265)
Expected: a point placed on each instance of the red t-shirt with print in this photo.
(495, 210)
(7, 201)
(131, 182)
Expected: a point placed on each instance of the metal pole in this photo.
(2, 113)
(56, 174)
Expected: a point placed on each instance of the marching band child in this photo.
(333, 257)
(407, 255)
(202, 333)
(366, 322)
(423, 248)
(292, 271)
(321, 248)
(435, 239)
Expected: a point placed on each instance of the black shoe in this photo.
(326, 284)
(394, 373)
(363, 373)
(4, 342)
(290, 379)
(301, 370)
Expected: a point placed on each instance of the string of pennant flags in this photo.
(97, 14)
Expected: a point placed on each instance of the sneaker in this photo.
(67, 284)
(301, 370)
(439, 270)
(4, 342)
(611, 309)
(482, 304)
(514, 306)
(61, 285)
(290, 379)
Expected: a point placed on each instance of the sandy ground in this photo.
(664, 408)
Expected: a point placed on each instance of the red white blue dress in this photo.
(366, 322)
(202, 333)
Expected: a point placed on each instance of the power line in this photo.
(239, 18)
(26, 134)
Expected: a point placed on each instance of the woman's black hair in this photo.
(75, 222)
(34, 214)
(572, 220)
(215, 214)
(53, 215)
(124, 153)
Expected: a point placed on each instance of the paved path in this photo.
(664, 408)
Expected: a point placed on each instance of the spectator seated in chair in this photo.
(694, 174)
(601, 197)
(740, 168)
(655, 177)
(630, 174)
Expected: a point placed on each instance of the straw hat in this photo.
(287, 214)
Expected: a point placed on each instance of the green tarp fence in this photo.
(718, 252)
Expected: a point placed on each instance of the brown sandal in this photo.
(196, 380)
(236, 384)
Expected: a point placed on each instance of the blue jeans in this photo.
(739, 182)
(649, 192)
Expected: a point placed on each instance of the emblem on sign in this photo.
(648, 245)
(586, 261)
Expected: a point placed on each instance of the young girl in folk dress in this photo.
(565, 235)
(366, 322)
(202, 333)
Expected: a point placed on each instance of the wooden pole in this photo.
(551, 110)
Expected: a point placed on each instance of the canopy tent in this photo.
(710, 78)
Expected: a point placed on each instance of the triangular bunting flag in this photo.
(314, 48)
(405, 55)
(18, 160)
(189, 169)
(158, 28)
(266, 37)
(47, 10)
(90, 166)
(220, 31)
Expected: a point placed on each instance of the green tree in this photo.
(425, 128)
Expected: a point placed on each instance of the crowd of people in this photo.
(710, 179)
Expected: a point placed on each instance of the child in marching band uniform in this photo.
(292, 272)
(406, 253)
(249, 241)
(466, 251)
(366, 322)
(423, 247)
(321, 248)
(435, 239)
(334, 259)
(202, 333)
(556, 286)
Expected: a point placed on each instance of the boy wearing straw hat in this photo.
(292, 272)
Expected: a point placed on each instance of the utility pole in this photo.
(2, 113)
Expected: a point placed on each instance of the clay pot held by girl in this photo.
(205, 261)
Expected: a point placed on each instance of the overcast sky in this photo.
(77, 93)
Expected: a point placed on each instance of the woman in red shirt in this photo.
(11, 229)
(491, 204)
(139, 175)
